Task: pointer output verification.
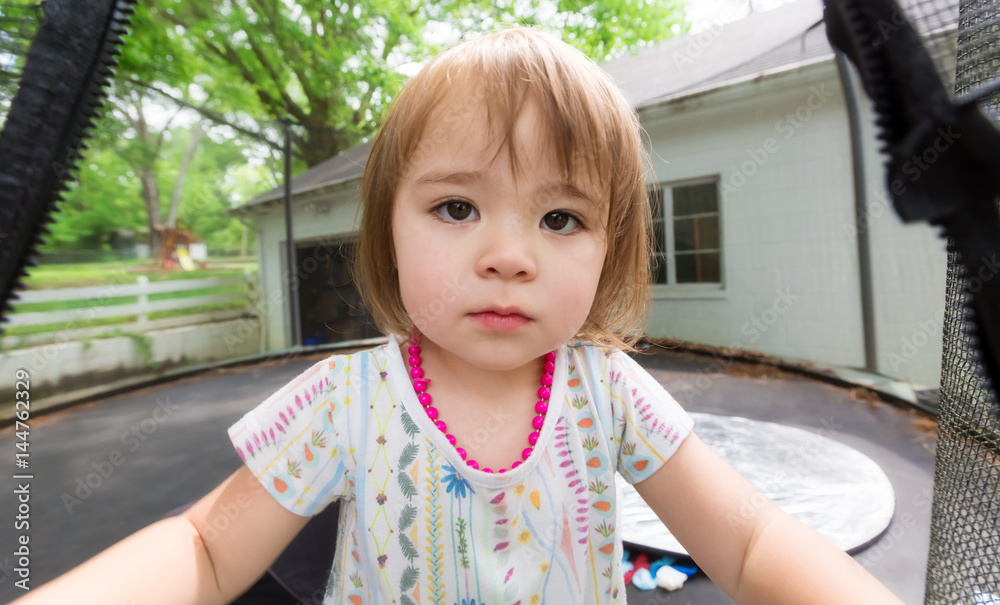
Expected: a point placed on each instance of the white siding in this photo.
(787, 213)
(323, 218)
(909, 269)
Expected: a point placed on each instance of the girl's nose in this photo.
(506, 253)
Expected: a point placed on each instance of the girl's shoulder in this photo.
(589, 346)
(590, 353)
(354, 356)
(337, 367)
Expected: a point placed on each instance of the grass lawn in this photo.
(46, 277)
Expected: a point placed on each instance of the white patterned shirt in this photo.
(419, 526)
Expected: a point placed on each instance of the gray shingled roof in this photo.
(725, 53)
(344, 167)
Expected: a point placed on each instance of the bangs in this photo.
(579, 107)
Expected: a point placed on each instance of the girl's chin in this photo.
(496, 357)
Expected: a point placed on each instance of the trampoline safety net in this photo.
(963, 564)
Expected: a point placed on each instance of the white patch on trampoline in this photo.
(832, 488)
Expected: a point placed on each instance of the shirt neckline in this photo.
(401, 384)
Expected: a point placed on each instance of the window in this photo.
(686, 233)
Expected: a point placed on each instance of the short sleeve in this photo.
(292, 441)
(650, 424)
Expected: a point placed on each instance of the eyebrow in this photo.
(469, 177)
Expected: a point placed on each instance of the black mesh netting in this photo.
(964, 559)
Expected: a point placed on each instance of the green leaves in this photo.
(406, 485)
(407, 516)
(333, 65)
(601, 29)
(407, 456)
(409, 427)
(406, 545)
(409, 579)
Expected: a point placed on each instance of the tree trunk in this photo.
(143, 160)
(151, 199)
(322, 143)
(197, 134)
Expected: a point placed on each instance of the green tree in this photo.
(333, 66)
(214, 184)
(601, 29)
(141, 146)
(104, 199)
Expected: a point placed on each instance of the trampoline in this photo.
(172, 457)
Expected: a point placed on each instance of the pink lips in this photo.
(502, 319)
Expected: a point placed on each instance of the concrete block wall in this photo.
(72, 365)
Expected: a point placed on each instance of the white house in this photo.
(756, 198)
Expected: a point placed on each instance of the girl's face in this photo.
(494, 272)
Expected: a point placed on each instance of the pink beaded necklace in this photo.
(541, 406)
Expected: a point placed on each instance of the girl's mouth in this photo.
(499, 320)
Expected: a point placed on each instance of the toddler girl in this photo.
(505, 248)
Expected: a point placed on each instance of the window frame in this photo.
(672, 289)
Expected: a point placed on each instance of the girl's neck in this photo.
(454, 374)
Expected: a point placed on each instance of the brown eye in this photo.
(457, 211)
(559, 221)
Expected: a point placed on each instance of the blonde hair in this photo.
(595, 132)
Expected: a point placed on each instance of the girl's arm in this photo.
(210, 554)
(755, 552)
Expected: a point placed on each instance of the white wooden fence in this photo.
(66, 322)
